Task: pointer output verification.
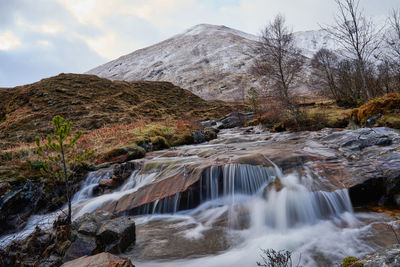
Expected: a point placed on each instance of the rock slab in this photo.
(389, 257)
(100, 260)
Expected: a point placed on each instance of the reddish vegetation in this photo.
(93, 103)
(386, 105)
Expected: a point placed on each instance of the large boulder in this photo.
(100, 260)
(100, 231)
(117, 234)
(83, 245)
(17, 205)
(234, 119)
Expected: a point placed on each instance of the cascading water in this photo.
(91, 181)
(285, 215)
(294, 204)
(133, 183)
(230, 213)
(216, 182)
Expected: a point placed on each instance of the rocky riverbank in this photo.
(328, 167)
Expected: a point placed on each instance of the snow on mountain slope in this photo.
(211, 61)
(312, 41)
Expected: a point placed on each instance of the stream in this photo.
(233, 208)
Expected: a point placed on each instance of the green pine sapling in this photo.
(59, 156)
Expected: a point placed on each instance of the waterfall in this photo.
(216, 182)
(131, 185)
(91, 181)
(235, 178)
(244, 189)
(296, 205)
(239, 190)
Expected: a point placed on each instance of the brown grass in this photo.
(388, 105)
(94, 103)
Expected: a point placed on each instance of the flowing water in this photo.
(237, 210)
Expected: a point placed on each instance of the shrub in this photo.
(185, 138)
(141, 140)
(272, 258)
(381, 105)
(59, 155)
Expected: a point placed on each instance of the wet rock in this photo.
(88, 228)
(92, 217)
(209, 123)
(16, 206)
(355, 141)
(117, 234)
(198, 136)
(4, 187)
(372, 121)
(389, 257)
(108, 183)
(201, 136)
(396, 200)
(100, 231)
(83, 245)
(365, 160)
(100, 260)
(279, 127)
(37, 241)
(62, 248)
(27, 252)
(50, 261)
(122, 171)
(123, 154)
(210, 134)
(235, 119)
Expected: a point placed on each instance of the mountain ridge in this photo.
(212, 61)
(92, 103)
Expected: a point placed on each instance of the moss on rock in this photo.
(351, 262)
(121, 154)
(384, 105)
(159, 142)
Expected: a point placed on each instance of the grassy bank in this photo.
(381, 111)
(120, 120)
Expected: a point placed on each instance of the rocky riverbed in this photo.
(218, 203)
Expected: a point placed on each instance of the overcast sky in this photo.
(42, 38)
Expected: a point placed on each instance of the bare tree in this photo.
(357, 35)
(385, 76)
(393, 44)
(325, 64)
(394, 38)
(280, 61)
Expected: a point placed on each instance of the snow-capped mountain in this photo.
(211, 61)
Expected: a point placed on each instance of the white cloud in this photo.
(9, 41)
(52, 28)
(106, 45)
(107, 29)
(48, 28)
(44, 43)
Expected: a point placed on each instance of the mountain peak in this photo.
(205, 27)
(212, 61)
(209, 29)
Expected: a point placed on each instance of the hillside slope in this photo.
(211, 61)
(92, 102)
